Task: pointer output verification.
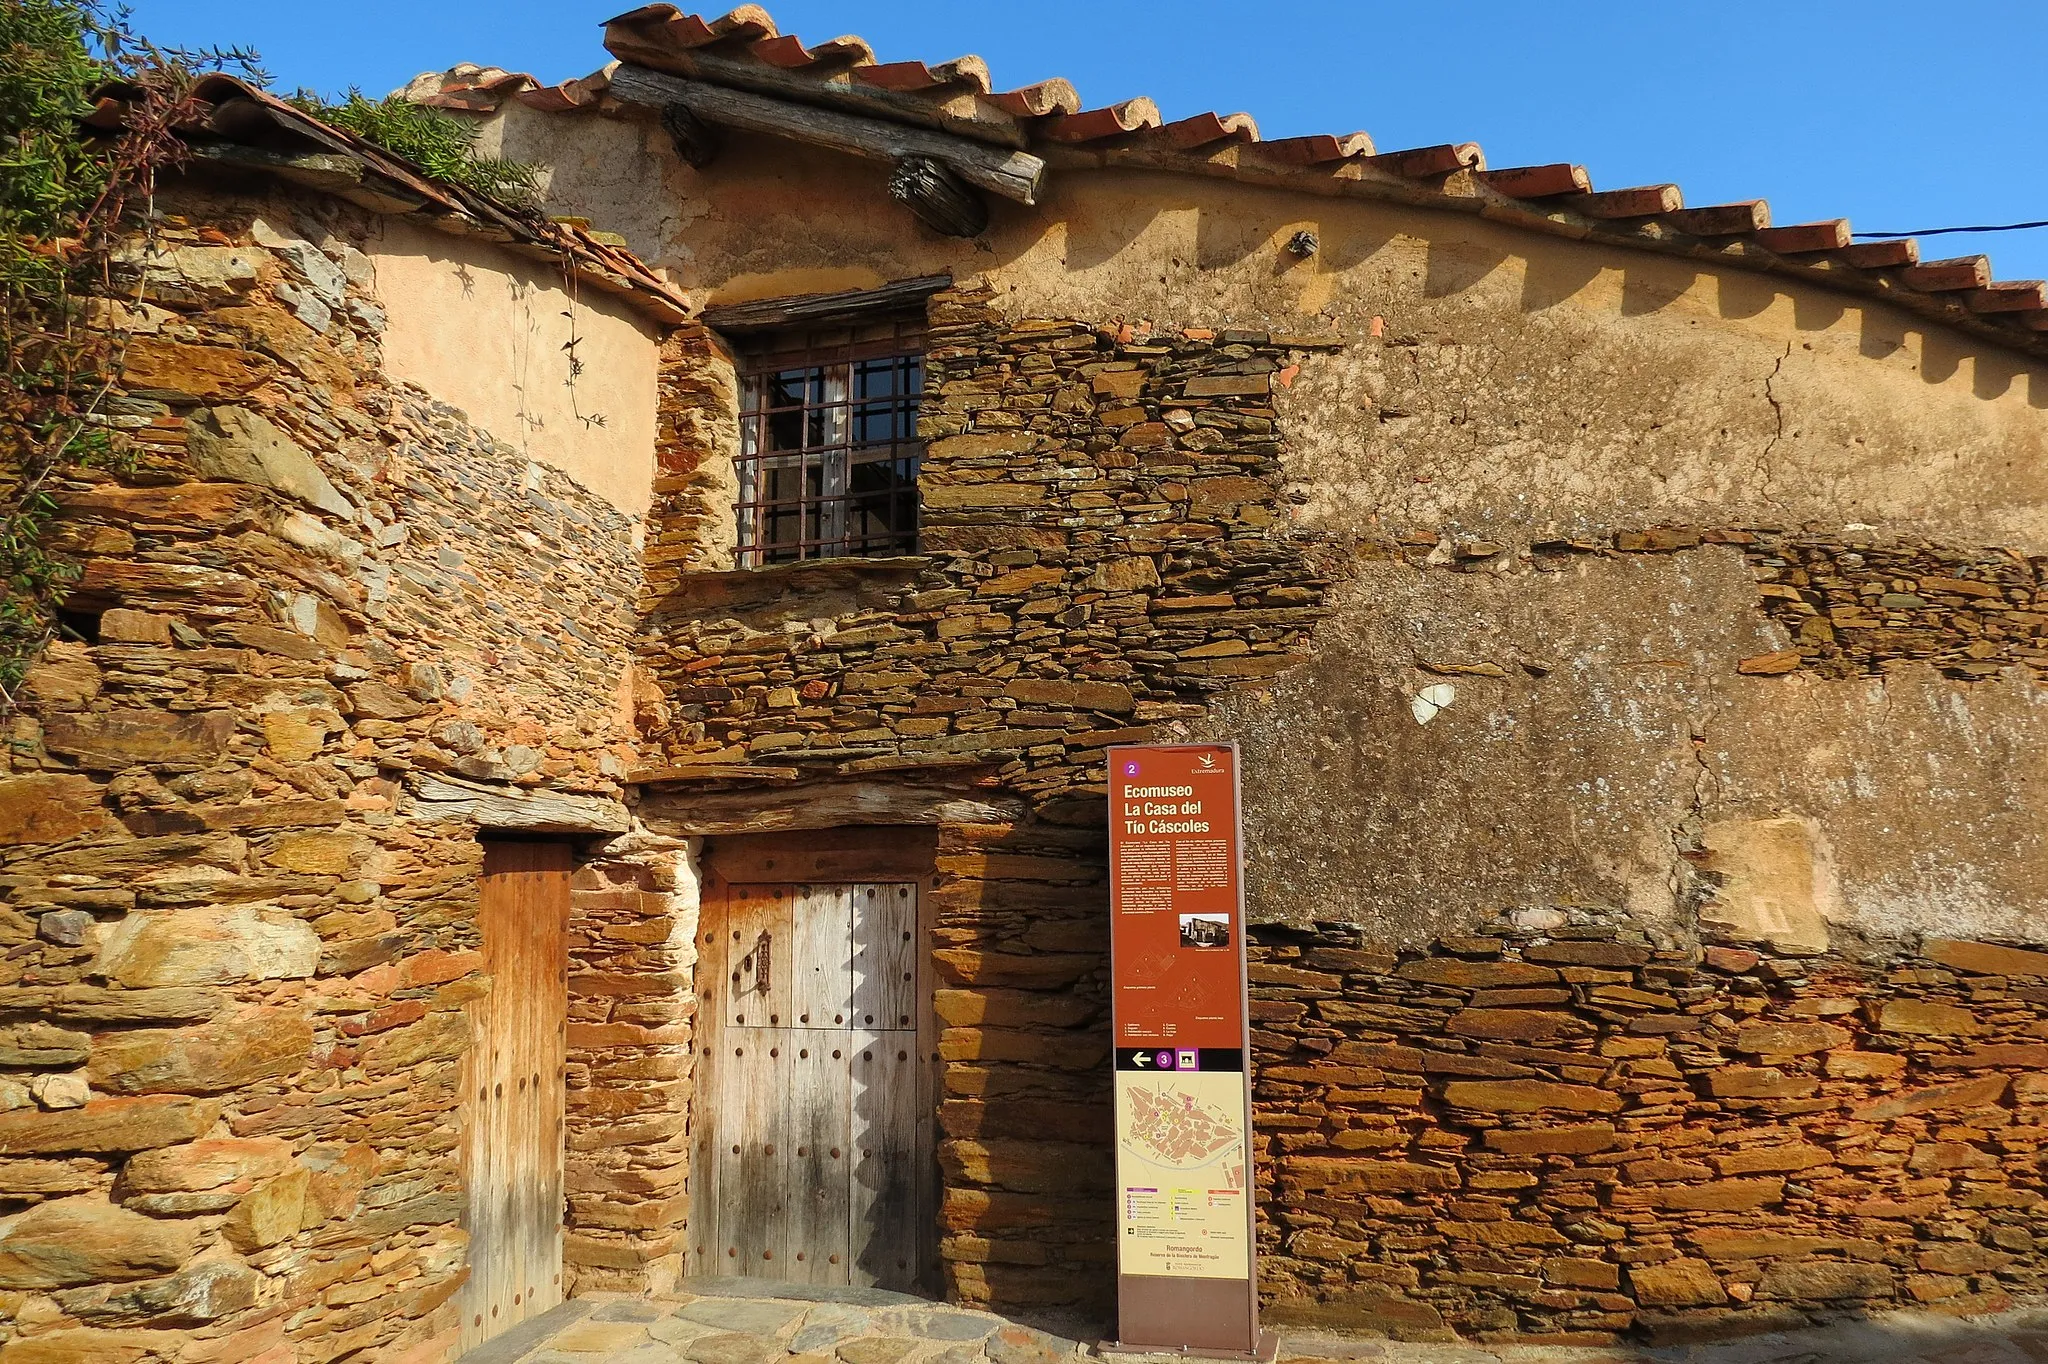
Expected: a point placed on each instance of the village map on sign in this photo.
(1170, 1127)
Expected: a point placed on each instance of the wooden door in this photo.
(513, 1090)
(815, 1135)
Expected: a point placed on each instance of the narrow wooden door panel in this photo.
(821, 973)
(888, 1216)
(752, 1180)
(814, 1152)
(513, 1092)
(816, 1171)
(884, 956)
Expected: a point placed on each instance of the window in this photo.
(828, 440)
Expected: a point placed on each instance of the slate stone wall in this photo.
(1105, 543)
(319, 618)
(1559, 1131)
(632, 1007)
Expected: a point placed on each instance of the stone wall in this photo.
(1852, 602)
(1557, 1130)
(321, 618)
(1020, 931)
(1104, 542)
(633, 926)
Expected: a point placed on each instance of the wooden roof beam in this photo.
(1014, 175)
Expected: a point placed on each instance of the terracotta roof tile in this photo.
(1318, 148)
(1943, 276)
(1831, 235)
(786, 52)
(1880, 255)
(1205, 130)
(1419, 162)
(1093, 125)
(971, 72)
(1538, 182)
(1047, 116)
(1055, 96)
(1722, 220)
(1644, 201)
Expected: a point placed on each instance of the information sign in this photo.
(1186, 1279)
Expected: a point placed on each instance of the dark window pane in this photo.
(830, 425)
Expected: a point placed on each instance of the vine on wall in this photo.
(65, 198)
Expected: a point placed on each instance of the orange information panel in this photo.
(1185, 1274)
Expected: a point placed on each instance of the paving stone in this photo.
(628, 1309)
(939, 1323)
(592, 1337)
(799, 1292)
(678, 1331)
(733, 1347)
(1014, 1344)
(752, 1315)
(648, 1352)
(826, 1326)
(878, 1350)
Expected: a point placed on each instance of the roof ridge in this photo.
(1048, 117)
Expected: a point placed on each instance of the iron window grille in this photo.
(828, 441)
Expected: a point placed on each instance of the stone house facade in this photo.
(516, 646)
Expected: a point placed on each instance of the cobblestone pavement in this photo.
(736, 1321)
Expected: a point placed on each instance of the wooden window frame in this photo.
(830, 391)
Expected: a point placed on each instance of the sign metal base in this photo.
(1267, 1352)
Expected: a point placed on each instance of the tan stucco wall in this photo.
(486, 332)
(1519, 380)
(1619, 755)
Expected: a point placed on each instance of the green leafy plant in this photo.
(439, 144)
(65, 199)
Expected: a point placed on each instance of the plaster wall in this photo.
(564, 376)
(1498, 378)
(1618, 758)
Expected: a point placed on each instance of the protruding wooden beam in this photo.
(696, 142)
(999, 170)
(941, 200)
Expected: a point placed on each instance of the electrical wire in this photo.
(1944, 231)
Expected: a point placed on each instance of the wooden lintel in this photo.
(1013, 174)
(439, 798)
(941, 200)
(821, 805)
(787, 312)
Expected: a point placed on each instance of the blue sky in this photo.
(1896, 115)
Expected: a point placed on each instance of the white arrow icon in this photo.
(1140, 1060)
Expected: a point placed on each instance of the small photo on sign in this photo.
(1205, 930)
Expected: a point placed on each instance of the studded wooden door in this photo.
(513, 1090)
(815, 1125)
